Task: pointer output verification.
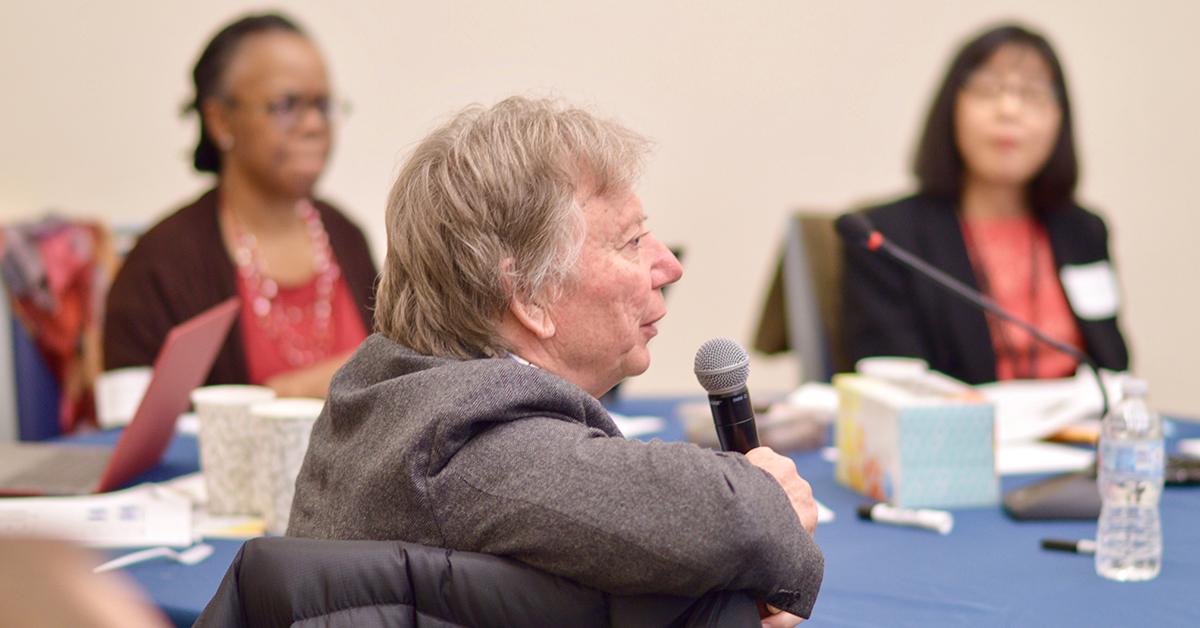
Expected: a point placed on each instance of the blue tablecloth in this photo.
(180, 591)
(990, 571)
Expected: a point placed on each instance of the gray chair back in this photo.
(802, 311)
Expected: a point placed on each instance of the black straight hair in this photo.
(208, 76)
(939, 164)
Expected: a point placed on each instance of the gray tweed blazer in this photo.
(497, 457)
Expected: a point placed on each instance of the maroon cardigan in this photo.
(179, 268)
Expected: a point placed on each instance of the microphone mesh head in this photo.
(722, 366)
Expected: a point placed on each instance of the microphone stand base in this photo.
(1070, 496)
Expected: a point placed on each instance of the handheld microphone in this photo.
(722, 367)
(856, 229)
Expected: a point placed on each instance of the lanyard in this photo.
(998, 329)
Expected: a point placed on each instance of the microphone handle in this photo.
(981, 300)
(733, 417)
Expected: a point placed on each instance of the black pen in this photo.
(1082, 546)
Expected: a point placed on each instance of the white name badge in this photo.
(1091, 290)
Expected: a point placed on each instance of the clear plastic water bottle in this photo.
(1129, 535)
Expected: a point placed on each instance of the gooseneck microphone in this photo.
(722, 368)
(857, 230)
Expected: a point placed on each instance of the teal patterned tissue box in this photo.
(915, 446)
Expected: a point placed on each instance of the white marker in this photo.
(939, 521)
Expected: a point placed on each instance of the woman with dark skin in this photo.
(301, 268)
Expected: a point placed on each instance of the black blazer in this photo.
(889, 311)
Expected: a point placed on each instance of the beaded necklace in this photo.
(285, 325)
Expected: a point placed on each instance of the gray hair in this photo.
(486, 209)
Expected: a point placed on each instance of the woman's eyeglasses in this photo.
(991, 87)
(288, 110)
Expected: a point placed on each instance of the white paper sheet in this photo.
(634, 426)
(204, 525)
(1022, 458)
(1027, 410)
(138, 516)
(824, 514)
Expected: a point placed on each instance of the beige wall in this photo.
(757, 108)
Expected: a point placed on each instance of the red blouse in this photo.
(267, 353)
(1014, 265)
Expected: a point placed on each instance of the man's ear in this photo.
(532, 316)
(535, 318)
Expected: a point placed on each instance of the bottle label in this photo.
(1140, 458)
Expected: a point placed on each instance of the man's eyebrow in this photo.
(636, 224)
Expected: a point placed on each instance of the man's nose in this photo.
(666, 269)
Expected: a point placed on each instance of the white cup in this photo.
(227, 445)
(282, 429)
(119, 393)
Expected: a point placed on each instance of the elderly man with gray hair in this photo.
(520, 284)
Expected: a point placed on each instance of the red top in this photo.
(266, 355)
(1015, 267)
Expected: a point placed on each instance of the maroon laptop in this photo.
(182, 365)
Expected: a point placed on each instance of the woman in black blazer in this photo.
(996, 210)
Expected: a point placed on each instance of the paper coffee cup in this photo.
(282, 429)
(118, 394)
(227, 445)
